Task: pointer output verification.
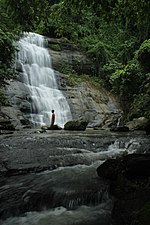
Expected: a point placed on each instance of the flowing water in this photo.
(71, 193)
(39, 77)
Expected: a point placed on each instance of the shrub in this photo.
(143, 55)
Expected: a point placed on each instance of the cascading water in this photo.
(39, 77)
(69, 192)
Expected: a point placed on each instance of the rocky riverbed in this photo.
(30, 150)
(26, 153)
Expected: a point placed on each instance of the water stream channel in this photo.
(51, 178)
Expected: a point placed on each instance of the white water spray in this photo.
(39, 77)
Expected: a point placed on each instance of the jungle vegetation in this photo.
(115, 34)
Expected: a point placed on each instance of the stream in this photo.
(51, 179)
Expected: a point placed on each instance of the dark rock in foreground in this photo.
(130, 184)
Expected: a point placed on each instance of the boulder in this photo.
(80, 124)
(120, 129)
(55, 127)
(147, 128)
(131, 166)
(129, 183)
(137, 166)
(109, 169)
(45, 128)
(6, 125)
(137, 123)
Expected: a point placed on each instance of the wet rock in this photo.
(76, 125)
(46, 128)
(6, 125)
(138, 166)
(129, 176)
(137, 123)
(25, 107)
(55, 127)
(120, 129)
(147, 128)
(109, 169)
(6, 132)
(19, 66)
(26, 153)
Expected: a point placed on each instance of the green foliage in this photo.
(131, 15)
(98, 51)
(126, 82)
(28, 14)
(76, 79)
(66, 69)
(55, 47)
(144, 55)
(109, 32)
(7, 49)
(140, 106)
(141, 103)
(107, 70)
(70, 21)
(125, 51)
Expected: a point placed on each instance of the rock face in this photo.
(129, 176)
(95, 105)
(68, 56)
(92, 103)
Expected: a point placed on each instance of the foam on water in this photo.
(83, 215)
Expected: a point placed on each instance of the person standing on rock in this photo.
(52, 118)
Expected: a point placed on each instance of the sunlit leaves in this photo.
(144, 55)
(28, 13)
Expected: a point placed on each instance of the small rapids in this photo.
(75, 195)
(72, 193)
(84, 215)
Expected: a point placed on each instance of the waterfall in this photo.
(39, 77)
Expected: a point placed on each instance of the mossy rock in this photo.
(55, 47)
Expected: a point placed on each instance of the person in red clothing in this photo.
(53, 118)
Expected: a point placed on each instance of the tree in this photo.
(28, 14)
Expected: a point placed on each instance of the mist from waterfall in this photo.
(39, 77)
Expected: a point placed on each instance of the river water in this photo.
(71, 191)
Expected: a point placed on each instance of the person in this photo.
(53, 118)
